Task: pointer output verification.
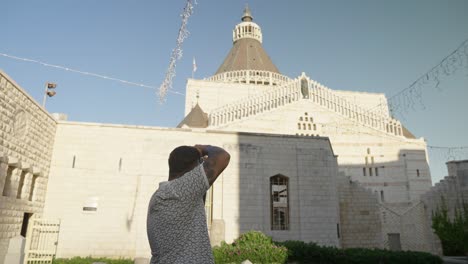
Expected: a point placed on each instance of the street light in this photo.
(48, 91)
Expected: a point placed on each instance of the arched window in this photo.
(279, 202)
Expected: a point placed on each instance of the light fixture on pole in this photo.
(48, 91)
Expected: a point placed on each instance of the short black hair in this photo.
(181, 159)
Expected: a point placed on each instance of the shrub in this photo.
(254, 246)
(452, 231)
(90, 260)
(301, 252)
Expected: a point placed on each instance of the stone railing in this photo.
(291, 92)
(250, 77)
(254, 105)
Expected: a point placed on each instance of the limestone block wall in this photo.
(212, 95)
(410, 223)
(26, 139)
(451, 191)
(360, 215)
(117, 168)
(393, 166)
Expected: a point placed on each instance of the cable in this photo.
(84, 72)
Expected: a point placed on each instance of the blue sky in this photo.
(362, 45)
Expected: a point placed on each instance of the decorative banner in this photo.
(177, 51)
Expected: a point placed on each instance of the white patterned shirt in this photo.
(176, 222)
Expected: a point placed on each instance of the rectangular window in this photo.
(376, 171)
(364, 171)
(382, 198)
(24, 226)
(417, 173)
(370, 171)
(279, 203)
(367, 161)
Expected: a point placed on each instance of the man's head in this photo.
(181, 160)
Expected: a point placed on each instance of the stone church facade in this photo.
(307, 163)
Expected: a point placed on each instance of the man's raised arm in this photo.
(216, 160)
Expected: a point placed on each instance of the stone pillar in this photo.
(217, 234)
(15, 253)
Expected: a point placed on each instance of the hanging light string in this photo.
(83, 72)
(177, 51)
(410, 97)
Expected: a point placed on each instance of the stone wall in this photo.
(451, 192)
(398, 165)
(117, 169)
(360, 216)
(409, 222)
(26, 139)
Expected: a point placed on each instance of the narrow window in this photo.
(372, 160)
(376, 171)
(21, 184)
(367, 160)
(368, 150)
(364, 171)
(370, 171)
(120, 164)
(417, 172)
(382, 198)
(299, 126)
(311, 119)
(309, 126)
(279, 202)
(304, 126)
(338, 230)
(300, 118)
(24, 226)
(306, 118)
(73, 162)
(315, 127)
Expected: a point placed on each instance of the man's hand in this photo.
(216, 160)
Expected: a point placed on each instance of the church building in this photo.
(307, 163)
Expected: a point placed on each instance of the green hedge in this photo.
(301, 252)
(89, 260)
(254, 246)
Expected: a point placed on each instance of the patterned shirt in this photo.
(176, 222)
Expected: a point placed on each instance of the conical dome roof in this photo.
(247, 52)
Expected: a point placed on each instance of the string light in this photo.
(84, 72)
(411, 97)
(177, 51)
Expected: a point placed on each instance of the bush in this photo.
(89, 260)
(452, 231)
(302, 252)
(254, 246)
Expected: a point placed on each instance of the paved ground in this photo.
(455, 260)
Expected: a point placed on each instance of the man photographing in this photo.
(176, 221)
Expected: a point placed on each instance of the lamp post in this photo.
(48, 91)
